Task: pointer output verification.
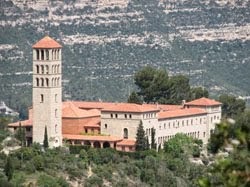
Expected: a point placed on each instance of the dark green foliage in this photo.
(153, 142)
(9, 168)
(155, 86)
(20, 134)
(134, 98)
(45, 140)
(93, 181)
(76, 149)
(231, 106)
(232, 170)
(4, 121)
(48, 181)
(141, 140)
(199, 92)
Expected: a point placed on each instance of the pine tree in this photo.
(8, 168)
(153, 143)
(45, 141)
(141, 140)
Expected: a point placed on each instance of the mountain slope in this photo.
(106, 41)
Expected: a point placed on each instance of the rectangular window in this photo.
(41, 98)
(125, 115)
(116, 115)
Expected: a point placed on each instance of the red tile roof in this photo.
(164, 107)
(126, 142)
(46, 43)
(181, 113)
(25, 123)
(92, 138)
(203, 102)
(91, 105)
(69, 110)
(129, 107)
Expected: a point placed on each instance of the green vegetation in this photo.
(20, 135)
(156, 86)
(141, 143)
(232, 170)
(45, 140)
(231, 106)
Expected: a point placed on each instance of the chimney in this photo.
(183, 102)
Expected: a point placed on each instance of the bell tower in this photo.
(47, 91)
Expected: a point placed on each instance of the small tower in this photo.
(47, 91)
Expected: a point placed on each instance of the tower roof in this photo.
(46, 43)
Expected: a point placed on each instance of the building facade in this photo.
(100, 124)
(47, 91)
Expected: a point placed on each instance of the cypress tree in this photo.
(153, 143)
(8, 168)
(141, 140)
(45, 141)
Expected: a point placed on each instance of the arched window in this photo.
(37, 54)
(47, 54)
(58, 68)
(56, 128)
(37, 69)
(42, 69)
(47, 69)
(58, 54)
(42, 54)
(105, 126)
(125, 133)
(37, 82)
(47, 82)
(58, 81)
(42, 82)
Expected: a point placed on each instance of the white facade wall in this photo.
(194, 126)
(114, 123)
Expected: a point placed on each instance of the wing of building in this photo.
(101, 124)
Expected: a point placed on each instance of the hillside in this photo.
(107, 41)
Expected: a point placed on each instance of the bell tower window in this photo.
(47, 54)
(42, 55)
(37, 54)
(37, 69)
(37, 82)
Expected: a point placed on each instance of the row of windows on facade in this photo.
(125, 131)
(163, 139)
(125, 116)
(46, 82)
(176, 124)
(42, 98)
(44, 54)
(44, 69)
(149, 115)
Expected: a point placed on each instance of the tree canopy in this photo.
(154, 85)
(234, 137)
(231, 106)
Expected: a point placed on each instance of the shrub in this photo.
(75, 149)
(93, 181)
